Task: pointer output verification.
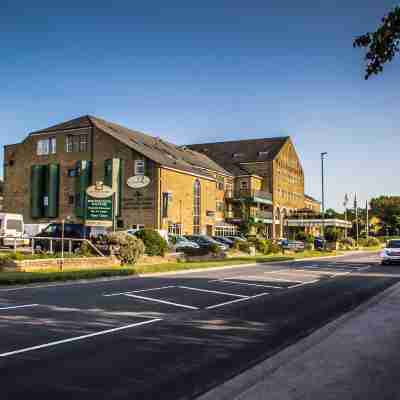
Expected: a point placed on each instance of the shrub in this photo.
(371, 242)
(347, 243)
(85, 250)
(215, 249)
(301, 236)
(244, 247)
(274, 248)
(331, 234)
(129, 248)
(261, 245)
(308, 246)
(154, 244)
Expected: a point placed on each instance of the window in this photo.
(71, 200)
(263, 153)
(139, 167)
(196, 207)
(138, 226)
(237, 155)
(220, 206)
(220, 182)
(243, 185)
(83, 143)
(72, 173)
(174, 229)
(14, 224)
(166, 198)
(76, 143)
(46, 146)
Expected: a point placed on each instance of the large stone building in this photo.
(193, 189)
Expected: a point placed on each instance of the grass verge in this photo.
(21, 278)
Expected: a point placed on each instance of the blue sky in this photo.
(214, 70)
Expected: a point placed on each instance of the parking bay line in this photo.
(138, 291)
(246, 284)
(162, 301)
(236, 301)
(213, 291)
(15, 307)
(77, 338)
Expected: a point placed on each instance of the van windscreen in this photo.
(15, 224)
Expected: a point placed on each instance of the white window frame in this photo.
(43, 147)
(139, 167)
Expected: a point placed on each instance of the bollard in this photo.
(33, 246)
(15, 245)
(51, 246)
(70, 246)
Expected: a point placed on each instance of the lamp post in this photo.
(323, 193)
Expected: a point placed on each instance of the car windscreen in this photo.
(393, 244)
(15, 224)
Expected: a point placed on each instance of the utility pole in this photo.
(356, 214)
(345, 202)
(367, 218)
(323, 194)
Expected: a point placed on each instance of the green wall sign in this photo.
(99, 211)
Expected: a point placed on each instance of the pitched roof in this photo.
(154, 148)
(308, 197)
(233, 154)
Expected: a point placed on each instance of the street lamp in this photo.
(323, 193)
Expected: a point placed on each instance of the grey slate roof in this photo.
(247, 150)
(156, 149)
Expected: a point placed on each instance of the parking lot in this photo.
(183, 324)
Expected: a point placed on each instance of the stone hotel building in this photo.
(203, 188)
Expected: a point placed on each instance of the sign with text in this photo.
(99, 212)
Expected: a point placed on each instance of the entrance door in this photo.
(209, 230)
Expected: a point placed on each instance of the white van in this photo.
(12, 230)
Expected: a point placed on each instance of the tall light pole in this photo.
(323, 193)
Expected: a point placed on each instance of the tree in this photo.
(387, 209)
(383, 44)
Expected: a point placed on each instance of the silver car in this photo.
(391, 252)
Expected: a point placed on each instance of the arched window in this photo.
(196, 207)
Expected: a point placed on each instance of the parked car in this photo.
(319, 243)
(12, 230)
(71, 231)
(181, 243)
(295, 245)
(235, 238)
(224, 240)
(391, 252)
(206, 242)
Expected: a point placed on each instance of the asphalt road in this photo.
(170, 337)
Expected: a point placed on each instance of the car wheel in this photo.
(384, 263)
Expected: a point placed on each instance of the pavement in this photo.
(172, 336)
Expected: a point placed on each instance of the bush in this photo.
(370, 242)
(261, 245)
(301, 236)
(244, 247)
(274, 248)
(128, 248)
(331, 234)
(215, 249)
(85, 250)
(154, 244)
(347, 243)
(308, 246)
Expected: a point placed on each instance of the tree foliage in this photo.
(383, 44)
(387, 209)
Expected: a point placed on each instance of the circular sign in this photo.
(138, 181)
(99, 191)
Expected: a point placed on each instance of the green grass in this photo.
(21, 278)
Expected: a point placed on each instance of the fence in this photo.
(33, 242)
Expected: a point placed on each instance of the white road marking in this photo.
(138, 291)
(162, 301)
(304, 283)
(212, 291)
(75, 339)
(14, 307)
(236, 301)
(248, 284)
(282, 280)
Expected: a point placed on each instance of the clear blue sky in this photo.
(211, 70)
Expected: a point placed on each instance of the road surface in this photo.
(170, 337)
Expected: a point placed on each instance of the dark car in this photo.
(224, 240)
(205, 242)
(71, 231)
